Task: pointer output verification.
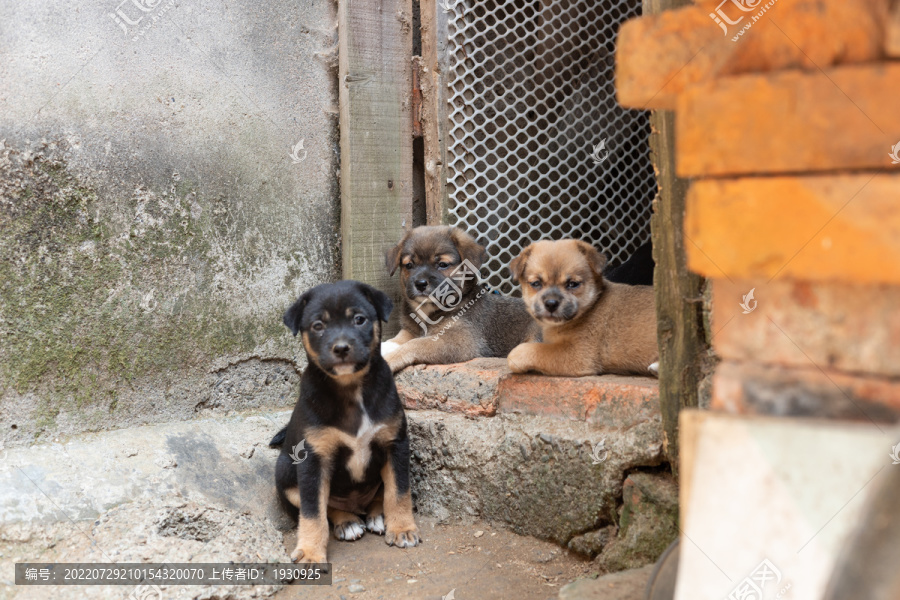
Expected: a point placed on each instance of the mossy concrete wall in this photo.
(157, 210)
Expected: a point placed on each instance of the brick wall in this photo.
(787, 137)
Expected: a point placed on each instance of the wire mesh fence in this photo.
(538, 146)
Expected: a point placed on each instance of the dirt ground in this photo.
(475, 562)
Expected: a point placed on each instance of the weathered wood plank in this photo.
(678, 291)
(375, 79)
(433, 75)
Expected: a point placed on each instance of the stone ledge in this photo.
(469, 387)
(536, 475)
(607, 400)
(485, 386)
(508, 470)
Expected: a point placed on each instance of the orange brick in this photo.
(836, 327)
(804, 392)
(607, 400)
(826, 228)
(792, 121)
(660, 55)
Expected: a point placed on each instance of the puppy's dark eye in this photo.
(409, 266)
(571, 285)
(360, 320)
(317, 326)
(536, 284)
(443, 265)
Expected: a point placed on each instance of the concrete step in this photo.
(509, 468)
(512, 446)
(486, 387)
(578, 462)
(536, 474)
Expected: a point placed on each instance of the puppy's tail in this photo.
(278, 440)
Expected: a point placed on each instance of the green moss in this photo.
(71, 286)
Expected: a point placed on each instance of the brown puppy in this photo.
(590, 325)
(448, 315)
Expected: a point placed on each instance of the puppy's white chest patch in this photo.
(361, 445)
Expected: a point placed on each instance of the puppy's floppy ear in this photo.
(381, 301)
(517, 266)
(467, 247)
(392, 255)
(294, 314)
(595, 260)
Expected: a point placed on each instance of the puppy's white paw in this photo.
(388, 347)
(375, 524)
(654, 369)
(349, 531)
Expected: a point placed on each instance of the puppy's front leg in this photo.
(550, 359)
(402, 337)
(312, 530)
(375, 514)
(395, 342)
(400, 527)
(457, 344)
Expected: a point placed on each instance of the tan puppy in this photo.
(590, 325)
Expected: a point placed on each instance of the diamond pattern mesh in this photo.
(531, 94)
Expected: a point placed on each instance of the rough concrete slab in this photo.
(161, 530)
(470, 387)
(507, 468)
(223, 461)
(536, 474)
(648, 522)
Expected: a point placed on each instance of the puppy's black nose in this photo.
(551, 304)
(341, 350)
(421, 284)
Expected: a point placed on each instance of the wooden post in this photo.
(375, 79)
(678, 291)
(434, 80)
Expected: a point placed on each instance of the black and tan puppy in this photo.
(590, 325)
(448, 316)
(345, 452)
